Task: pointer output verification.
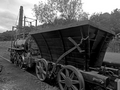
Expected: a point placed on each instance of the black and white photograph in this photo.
(59, 45)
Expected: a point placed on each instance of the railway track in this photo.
(5, 58)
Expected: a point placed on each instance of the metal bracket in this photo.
(73, 48)
(76, 45)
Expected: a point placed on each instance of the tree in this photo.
(54, 9)
(45, 12)
(7, 36)
(115, 20)
(102, 19)
(111, 21)
(69, 9)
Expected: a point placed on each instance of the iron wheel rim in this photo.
(20, 62)
(69, 78)
(41, 70)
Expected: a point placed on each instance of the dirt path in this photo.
(13, 78)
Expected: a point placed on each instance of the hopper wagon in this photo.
(71, 55)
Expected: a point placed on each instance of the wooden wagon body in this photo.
(85, 36)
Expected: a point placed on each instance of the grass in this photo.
(112, 57)
(4, 45)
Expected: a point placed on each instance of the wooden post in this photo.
(20, 20)
(36, 24)
(24, 21)
(30, 23)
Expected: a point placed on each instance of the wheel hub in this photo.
(68, 82)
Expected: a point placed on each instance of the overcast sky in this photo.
(9, 9)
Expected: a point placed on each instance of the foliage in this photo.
(44, 12)
(28, 29)
(111, 21)
(56, 9)
(115, 20)
(100, 18)
(69, 9)
(6, 36)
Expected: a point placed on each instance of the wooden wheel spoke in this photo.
(38, 67)
(65, 88)
(44, 72)
(75, 82)
(74, 87)
(20, 62)
(72, 75)
(42, 76)
(67, 72)
(37, 71)
(61, 86)
(42, 65)
(62, 81)
(69, 88)
(39, 64)
(63, 75)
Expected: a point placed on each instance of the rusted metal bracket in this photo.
(70, 50)
(76, 45)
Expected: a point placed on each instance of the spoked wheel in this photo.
(69, 78)
(16, 60)
(41, 69)
(11, 58)
(21, 63)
